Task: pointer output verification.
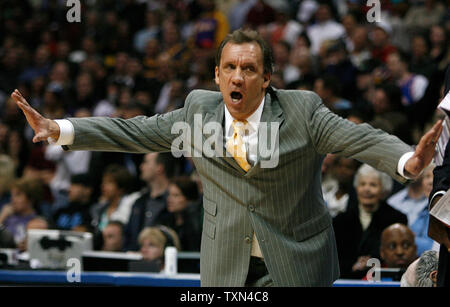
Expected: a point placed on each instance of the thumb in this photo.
(41, 136)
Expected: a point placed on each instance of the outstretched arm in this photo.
(140, 134)
(43, 128)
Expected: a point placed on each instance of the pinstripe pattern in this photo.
(289, 217)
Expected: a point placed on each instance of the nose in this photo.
(399, 251)
(237, 77)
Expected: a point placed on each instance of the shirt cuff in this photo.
(434, 195)
(66, 133)
(402, 162)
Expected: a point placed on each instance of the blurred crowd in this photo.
(142, 57)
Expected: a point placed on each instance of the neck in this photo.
(158, 187)
(26, 212)
(179, 219)
(415, 193)
(115, 201)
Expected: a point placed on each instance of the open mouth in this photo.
(236, 96)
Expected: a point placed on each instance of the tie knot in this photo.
(239, 126)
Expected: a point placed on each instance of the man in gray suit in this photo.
(264, 223)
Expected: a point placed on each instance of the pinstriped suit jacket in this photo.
(283, 205)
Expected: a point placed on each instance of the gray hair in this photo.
(385, 180)
(428, 263)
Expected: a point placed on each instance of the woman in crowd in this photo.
(26, 195)
(358, 230)
(115, 202)
(154, 240)
(185, 212)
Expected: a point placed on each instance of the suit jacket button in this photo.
(248, 240)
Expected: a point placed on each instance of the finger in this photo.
(40, 137)
(20, 101)
(441, 127)
(17, 96)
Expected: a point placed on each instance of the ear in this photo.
(217, 75)
(266, 80)
(433, 277)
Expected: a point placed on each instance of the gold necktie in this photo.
(236, 147)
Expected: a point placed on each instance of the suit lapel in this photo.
(272, 113)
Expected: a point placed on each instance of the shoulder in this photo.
(297, 94)
(199, 100)
(392, 214)
(197, 96)
(298, 99)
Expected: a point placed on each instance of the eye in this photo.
(229, 66)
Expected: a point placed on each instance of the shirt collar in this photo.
(253, 120)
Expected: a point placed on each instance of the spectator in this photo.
(281, 51)
(389, 112)
(115, 202)
(343, 170)
(421, 62)
(284, 28)
(358, 230)
(420, 225)
(328, 88)
(324, 29)
(156, 169)
(260, 14)
(151, 31)
(397, 247)
(421, 17)
(76, 210)
(439, 50)
(35, 223)
(113, 237)
(338, 64)
(380, 39)
(211, 27)
(413, 86)
(238, 13)
(153, 242)
(411, 200)
(185, 212)
(422, 272)
(26, 195)
(359, 51)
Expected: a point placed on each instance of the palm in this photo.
(424, 152)
(39, 123)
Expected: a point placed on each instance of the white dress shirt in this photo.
(250, 138)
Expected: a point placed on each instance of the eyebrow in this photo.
(244, 64)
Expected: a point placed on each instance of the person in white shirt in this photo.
(325, 29)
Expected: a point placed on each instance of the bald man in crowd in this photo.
(398, 249)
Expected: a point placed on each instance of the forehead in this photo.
(398, 234)
(370, 177)
(247, 52)
(150, 156)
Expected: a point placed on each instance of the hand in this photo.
(43, 127)
(424, 153)
(437, 230)
(361, 263)
(7, 211)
